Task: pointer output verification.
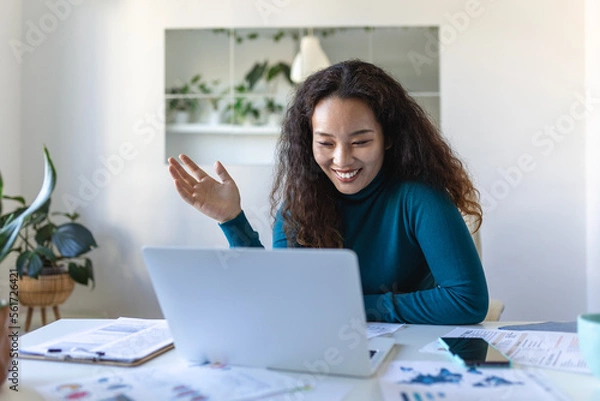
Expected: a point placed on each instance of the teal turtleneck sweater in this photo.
(418, 262)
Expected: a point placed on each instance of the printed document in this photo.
(122, 340)
(554, 350)
(179, 381)
(375, 329)
(426, 380)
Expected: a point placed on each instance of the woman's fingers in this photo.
(182, 182)
(222, 172)
(196, 171)
(185, 193)
(182, 176)
(219, 200)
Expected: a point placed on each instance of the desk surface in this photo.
(409, 340)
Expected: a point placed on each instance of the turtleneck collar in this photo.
(367, 191)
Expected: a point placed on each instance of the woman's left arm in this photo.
(460, 294)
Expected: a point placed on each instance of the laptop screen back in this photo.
(296, 309)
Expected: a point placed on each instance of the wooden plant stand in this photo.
(45, 291)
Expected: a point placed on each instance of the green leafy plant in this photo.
(209, 88)
(242, 108)
(267, 72)
(41, 243)
(185, 100)
(271, 105)
(181, 103)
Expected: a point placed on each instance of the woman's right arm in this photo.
(218, 200)
(239, 232)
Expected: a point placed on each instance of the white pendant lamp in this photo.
(309, 59)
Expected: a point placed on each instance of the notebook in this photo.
(288, 309)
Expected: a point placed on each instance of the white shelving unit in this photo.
(223, 129)
(217, 54)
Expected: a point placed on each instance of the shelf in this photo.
(257, 95)
(223, 129)
(265, 94)
(219, 57)
(424, 94)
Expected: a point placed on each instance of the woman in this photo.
(362, 167)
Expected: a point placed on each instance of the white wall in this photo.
(94, 86)
(592, 46)
(10, 112)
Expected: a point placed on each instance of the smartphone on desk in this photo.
(475, 351)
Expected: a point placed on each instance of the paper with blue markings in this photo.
(427, 380)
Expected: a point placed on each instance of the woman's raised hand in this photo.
(218, 200)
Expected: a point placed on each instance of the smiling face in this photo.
(348, 143)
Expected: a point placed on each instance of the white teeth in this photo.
(347, 175)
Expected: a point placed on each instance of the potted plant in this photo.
(273, 111)
(51, 248)
(242, 110)
(181, 105)
(9, 230)
(209, 88)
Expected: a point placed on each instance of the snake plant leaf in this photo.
(9, 233)
(73, 239)
(39, 215)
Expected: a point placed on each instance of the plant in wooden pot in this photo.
(50, 248)
(9, 231)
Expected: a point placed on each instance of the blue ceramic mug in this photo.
(588, 332)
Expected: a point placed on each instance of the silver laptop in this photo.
(289, 309)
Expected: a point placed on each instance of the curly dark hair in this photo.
(417, 152)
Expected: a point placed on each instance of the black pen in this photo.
(56, 350)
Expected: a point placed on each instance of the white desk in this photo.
(408, 342)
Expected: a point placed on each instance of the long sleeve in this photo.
(239, 232)
(458, 293)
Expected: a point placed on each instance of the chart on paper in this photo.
(425, 381)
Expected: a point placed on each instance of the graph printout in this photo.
(175, 382)
(426, 380)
